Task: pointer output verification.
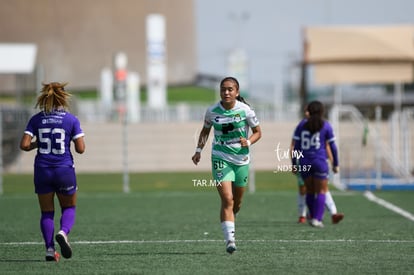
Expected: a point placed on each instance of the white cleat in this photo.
(316, 223)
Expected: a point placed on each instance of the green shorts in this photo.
(225, 171)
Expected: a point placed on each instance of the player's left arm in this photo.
(79, 145)
(330, 140)
(255, 136)
(333, 155)
(329, 152)
(253, 123)
(78, 137)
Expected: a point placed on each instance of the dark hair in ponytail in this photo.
(235, 81)
(240, 98)
(315, 121)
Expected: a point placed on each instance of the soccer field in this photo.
(164, 227)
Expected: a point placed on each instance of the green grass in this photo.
(149, 182)
(166, 225)
(191, 94)
(175, 94)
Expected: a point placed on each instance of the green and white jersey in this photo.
(229, 126)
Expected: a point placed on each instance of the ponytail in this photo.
(241, 99)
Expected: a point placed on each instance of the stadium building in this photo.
(77, 39)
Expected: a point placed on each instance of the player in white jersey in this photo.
(231, 119)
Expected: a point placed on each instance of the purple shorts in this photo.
(318, 168)
(55, 179)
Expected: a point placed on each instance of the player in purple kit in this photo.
(51, 132)
(311, 137)
(301, 198)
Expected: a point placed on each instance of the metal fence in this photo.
(373, 154)
(13, 120)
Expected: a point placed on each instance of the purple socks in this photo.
(316, 205)
(47, 227)
(319, 206)
(310, 201)
(68, 219)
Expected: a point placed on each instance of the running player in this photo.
(329, 202)
(231, 119)
(311, 137)
(51, 131)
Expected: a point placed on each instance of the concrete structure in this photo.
(77, 39)
(170, 146)
(159, 147)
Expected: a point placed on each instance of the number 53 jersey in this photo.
(229, 126)
(54, 132)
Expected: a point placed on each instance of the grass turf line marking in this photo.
(209, 241)
(370, 196)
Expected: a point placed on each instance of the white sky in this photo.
(270, 30)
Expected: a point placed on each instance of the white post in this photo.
(395, 131)
(398, 96)
(252, 175)
(125, 178)
(133, 104)
(336, 179)
(335, 115)
(156, 67)
(406, 141)
(378, 149)
(106, 93)
(121, 62)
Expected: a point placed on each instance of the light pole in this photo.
(121, 62)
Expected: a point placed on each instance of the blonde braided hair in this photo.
(53, 96)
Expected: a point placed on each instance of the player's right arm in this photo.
(26, 143)
(202, 140)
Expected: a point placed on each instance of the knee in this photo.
(227, 202)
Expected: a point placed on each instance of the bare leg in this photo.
(226, 214)
(237, 197)
(227, 202)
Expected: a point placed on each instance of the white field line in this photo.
(370, 196)
(209, 241)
